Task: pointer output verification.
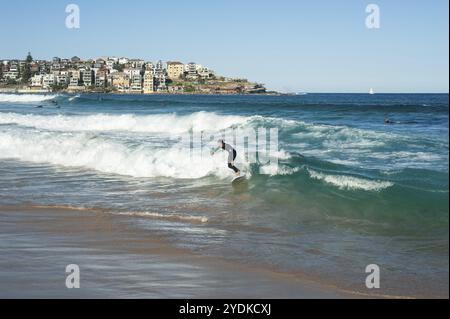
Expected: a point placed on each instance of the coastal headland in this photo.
(118, 75)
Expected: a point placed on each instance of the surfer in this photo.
(231, 155)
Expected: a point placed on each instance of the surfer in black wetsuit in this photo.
(231, 155)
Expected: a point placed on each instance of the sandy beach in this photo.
(119, 261)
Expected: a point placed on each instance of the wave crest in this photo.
(350, 182)
(25, 98)
(169, 123)
(111, 156)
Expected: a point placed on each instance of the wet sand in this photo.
(119, 260)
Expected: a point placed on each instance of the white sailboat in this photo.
(371, 91)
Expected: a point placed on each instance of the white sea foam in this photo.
(110, 156)
(169, 123)
(25, 98)
(272, 170)
(79, 141)
(350, 182)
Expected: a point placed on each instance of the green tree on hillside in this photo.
(26, 76)
(29, 58)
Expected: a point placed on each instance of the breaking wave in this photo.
(25, 98)
(173, 123)
(109, 156)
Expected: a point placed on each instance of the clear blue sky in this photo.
(290, 45)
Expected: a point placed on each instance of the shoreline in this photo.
(119, 260)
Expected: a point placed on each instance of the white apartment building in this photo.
(123, 60)
(36, 81)
(136, 63)
(88, 78)
(204, 72)
(48, 80)
(12, 75)
(110, 64)
(62, 79)
(101, 79)
(161, 79)
(74, 82)
(75, 78)
(136, 84)
(148, 83)
(132, 72)
(191, 69)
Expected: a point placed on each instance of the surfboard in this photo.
(238, 178)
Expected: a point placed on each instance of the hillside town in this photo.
(118, 75)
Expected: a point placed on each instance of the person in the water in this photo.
(231, 155)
